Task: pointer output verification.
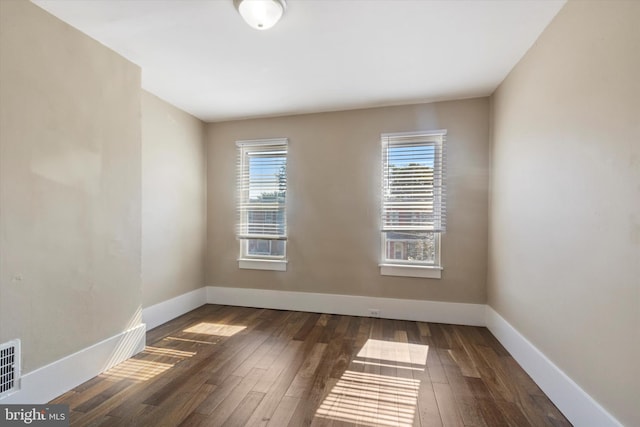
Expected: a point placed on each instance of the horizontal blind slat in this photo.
(262, 188)
(413, 182)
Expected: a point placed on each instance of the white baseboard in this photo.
(389, 308)
(50, 381)
(160, 313)
(579, 408)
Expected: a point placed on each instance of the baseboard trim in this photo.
(389, 308)
(160, 313)
(579, 408)
(50, 381)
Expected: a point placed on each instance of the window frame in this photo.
(247, 260)
(412, 268)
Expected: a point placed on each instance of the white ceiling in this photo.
(323, 55)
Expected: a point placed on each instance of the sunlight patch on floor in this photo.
(159, 351)
(387, 365)
(372, 399)
(215, 329)
(396, 354)
(379, 387)
(136, 370)
(188, 340)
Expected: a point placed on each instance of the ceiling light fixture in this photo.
(261, 14)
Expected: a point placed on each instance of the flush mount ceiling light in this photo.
(261, 14)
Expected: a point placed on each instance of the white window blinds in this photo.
(413, 193)
(262, 190)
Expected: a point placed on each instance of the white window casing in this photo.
(413, 214)
(261, 199)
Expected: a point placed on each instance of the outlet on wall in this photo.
(374, 312)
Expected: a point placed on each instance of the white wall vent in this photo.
(9, 367)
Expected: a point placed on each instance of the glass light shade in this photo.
(261, 14)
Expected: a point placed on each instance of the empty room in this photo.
(320, 213)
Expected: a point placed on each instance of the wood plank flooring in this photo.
(236, 366)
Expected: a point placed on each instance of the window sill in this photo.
(262, 264)
(410, 271)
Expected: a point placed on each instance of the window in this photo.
(262, 197)
(413, 208)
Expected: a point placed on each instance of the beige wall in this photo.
(173, 201)
(334, 196)
(69, 187)
(565, 212)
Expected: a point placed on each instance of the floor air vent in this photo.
(9, 367)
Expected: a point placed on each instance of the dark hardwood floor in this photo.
(236, 366)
